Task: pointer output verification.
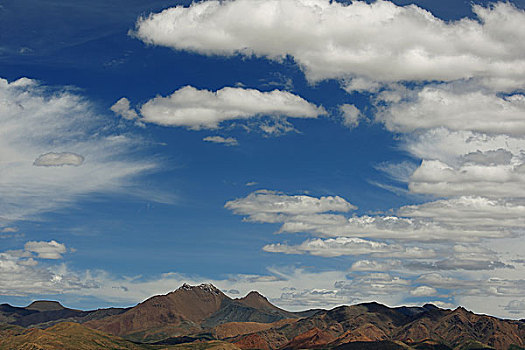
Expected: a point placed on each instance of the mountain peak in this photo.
(255, 294)
(257, 301)
(206, 287)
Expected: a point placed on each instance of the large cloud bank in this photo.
(377, 42)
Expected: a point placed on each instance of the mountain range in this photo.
(203, 317)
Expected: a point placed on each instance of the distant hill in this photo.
(202, 317)
(426, 327)
(45, 305)
(45, 313)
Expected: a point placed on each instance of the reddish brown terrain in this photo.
(176, 313)
(202, 316)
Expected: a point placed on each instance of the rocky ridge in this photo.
(205, 315)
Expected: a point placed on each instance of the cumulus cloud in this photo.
(493, 157)
(339, 246)
(470, 211)
(455, 107)
(441, 179)
(203, 109)
(376, 266)
(423, 291)
(122, 108)
(37, 119)
(46, 250)
(451, 147)
(228, 141)
(309, 214)
(351, 115)
(454, 263)
(372, 42)
(387, 227)
(487, 287)
(264, 205)
(471, 140)
(23, 275)
(376, 283)
(59, 159)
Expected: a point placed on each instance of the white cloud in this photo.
(400, 172)
(515, 307)
(423, 291)
(461, 107)
(264, 205)
(370, 42)
(59, 159)
(310, 214)
(204, 109)
(46, 250)
(228, 141)
(375, 266)
(289, 287)
(441, 179)
(36, 119)
(340, 246)
(452, 147)
(489, 158)
(385, 227)
(376, 283)
(122, 109)
(458, 263)
(495, 287)
(20, 275)
(351, 115)
(470, 212)
(471, 140)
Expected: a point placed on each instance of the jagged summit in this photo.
(206, 287)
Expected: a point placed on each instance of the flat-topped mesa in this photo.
(45, 305)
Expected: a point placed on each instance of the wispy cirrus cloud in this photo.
(54, 149)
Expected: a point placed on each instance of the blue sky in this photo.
(323, 153)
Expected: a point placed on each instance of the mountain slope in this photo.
(176, 313)
(65, 336)
(188, 310)
(424, 328)
(203, 314)
(43, 313)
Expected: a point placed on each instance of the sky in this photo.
(319, 152)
